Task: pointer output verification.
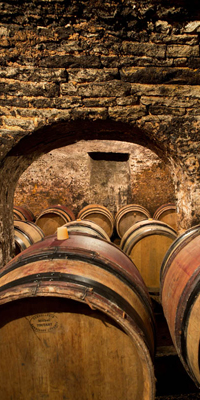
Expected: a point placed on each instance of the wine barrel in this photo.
(23, 213)
(146, 243)
(167, 213)
(100, 215)
(76, 323)
(128, 216)
(180, 298)
(87, 227)
(25, 234)
(53, 217)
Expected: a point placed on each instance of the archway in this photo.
(61, 134)
(110, 173)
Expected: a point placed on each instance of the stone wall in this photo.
(84, 70)
(93, 172)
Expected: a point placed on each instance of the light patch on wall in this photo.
(110, 179)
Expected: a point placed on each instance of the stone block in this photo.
(99, 102)
(26, 124)
(184, 39)
(193, 26)
(127, 101)
(34, 74)
(98, 89)
(70, 61)
(14, 101)
(166, 90)
(160, 75)
(176, 50)
(162, 26)
(58, 102)
(129, 113)
(92, 74)
(176, 101)
(166, 110)
(194, 62)
(69, 89)
(93, 113)
(144, 49)
(29, 89)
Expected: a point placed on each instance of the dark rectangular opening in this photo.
(99, 156)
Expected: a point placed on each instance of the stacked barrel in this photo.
(76, 310)
(83, 279)
(180, 297)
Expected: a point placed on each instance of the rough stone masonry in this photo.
(82, 69)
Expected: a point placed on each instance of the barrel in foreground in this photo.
(76, 322)
(180, 297)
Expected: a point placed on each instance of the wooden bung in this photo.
(62, 233)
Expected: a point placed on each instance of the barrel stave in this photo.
(107, 285)
(180, 290)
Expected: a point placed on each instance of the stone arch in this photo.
(63, 133)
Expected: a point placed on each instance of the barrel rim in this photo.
(25, 234)
(90, 289)
(191, 291)
(34, 227)
(140, 225)
(19, 243)
(88, 224)
(132, 206)
(84, 254)
(96, 207)
(164, 207)
(174, 249)
(24, 212)
(58, 208)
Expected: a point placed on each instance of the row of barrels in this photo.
(54, 216)
(84, 282)
(144, 240)
(84, 298)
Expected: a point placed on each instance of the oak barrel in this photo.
(128, 215)
(23, 213)
(25, 234)
(100, 215)
(53, 217)
(87, 227)
(180, 297)
(76, 323)
(167, 213)
(146, 243)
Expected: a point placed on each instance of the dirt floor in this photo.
(172, 381)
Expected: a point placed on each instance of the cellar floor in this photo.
(172, 381)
